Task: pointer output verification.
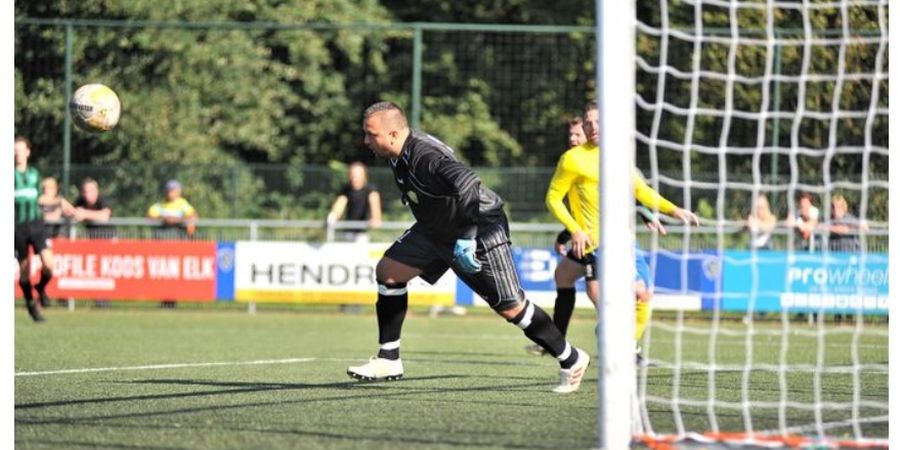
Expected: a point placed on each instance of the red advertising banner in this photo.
(130, 270)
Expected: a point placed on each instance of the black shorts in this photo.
(589, 261)
(32, 233)
(497, 282)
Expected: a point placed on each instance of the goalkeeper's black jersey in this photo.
(446, 197)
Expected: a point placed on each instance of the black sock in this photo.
(539, 328)
(563, 307)
(391, 310)
(46, 275)
(26, 291)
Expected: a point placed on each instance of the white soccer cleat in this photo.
(570, 379)
(377, 369)
(535, 350)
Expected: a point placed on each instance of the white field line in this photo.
(167, 366)
(236, 363)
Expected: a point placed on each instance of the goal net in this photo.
(770, 120)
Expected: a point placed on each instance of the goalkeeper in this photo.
(577, 179)
(460, 225)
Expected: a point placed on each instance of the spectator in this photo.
(360, 200)
(761, 222)
(805, 222)
(843, 233)
(91, 208)
(54, 207)
(178, 217)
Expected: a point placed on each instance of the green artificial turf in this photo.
(468, 382)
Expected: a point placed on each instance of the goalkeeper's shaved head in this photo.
(391, 114)
(386, 128)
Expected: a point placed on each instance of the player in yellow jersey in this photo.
(577, 179)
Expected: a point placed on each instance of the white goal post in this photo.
(616, 389)
(769, 118)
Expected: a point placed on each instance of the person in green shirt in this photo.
(30, 230)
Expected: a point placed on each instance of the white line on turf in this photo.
(166, 366)
(436, 359)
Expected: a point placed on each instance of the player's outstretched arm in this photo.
(651, 220)
(686, 216)
(655, 202)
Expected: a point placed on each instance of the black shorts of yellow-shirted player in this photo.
(460, 226)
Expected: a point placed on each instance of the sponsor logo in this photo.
(225, 259)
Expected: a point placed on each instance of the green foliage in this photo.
(239, 98)
(199, 96)
(466, 124)
(818, 160)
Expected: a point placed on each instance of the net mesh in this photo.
(744, 107)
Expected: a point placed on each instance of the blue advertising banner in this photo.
(805, 282)
(696, 274)
(225, 271)
(680, 279)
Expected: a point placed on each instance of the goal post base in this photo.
(711, 441)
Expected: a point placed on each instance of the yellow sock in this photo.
(641, 318)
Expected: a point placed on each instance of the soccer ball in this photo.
(95, 108)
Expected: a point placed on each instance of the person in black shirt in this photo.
(460, 225)
(360, 200)
(92, 208)
(845, 228)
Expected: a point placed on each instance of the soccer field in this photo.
(194, 378)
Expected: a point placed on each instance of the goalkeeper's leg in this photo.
(498, 284)
(567, 272)
(411, 256)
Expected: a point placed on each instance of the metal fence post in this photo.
(776, 124)
(254, 234)
(416, 99)
(234, 191)
(67, 122)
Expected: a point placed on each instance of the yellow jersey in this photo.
(179, 208)
(577, 178)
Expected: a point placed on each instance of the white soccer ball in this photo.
(95, 107)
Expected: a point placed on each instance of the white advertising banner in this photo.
(339, 273)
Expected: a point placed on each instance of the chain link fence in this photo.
(258, 120)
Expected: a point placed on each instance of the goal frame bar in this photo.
(616, 381)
